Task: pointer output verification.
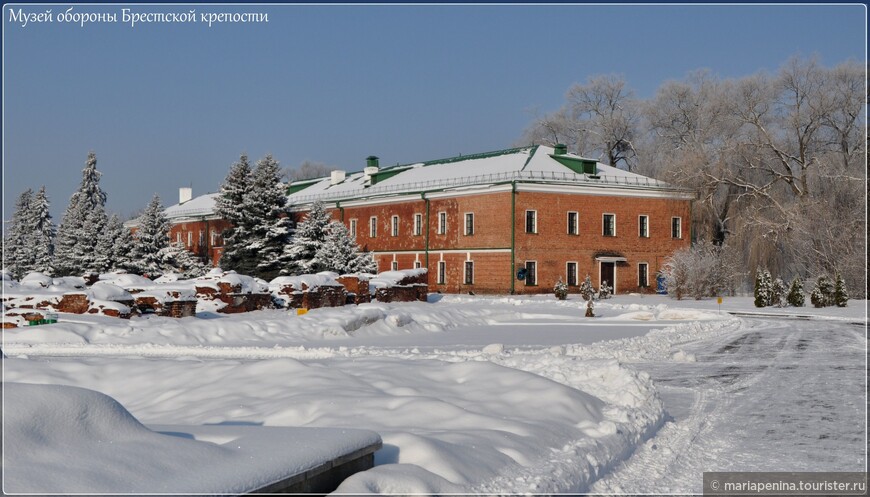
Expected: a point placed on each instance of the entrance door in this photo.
(608, 274)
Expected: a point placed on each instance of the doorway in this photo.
(607, 272)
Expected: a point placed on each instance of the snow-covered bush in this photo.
(703, 270)
(605, 291)
(561, 290)
(587, 291)
(841, 295)
(823, 292)
(763, 287)
(796, 293)
(778, 293)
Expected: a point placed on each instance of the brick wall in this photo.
(196, 236)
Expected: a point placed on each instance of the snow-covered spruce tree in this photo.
(115, 247)
(587, 291)
(841, 295)
(561, 289)
(151, 238)
(177, 259)
(310, 234)
(84, 219)
(42, 234)
(796, 293)
(340, 253)
(763, 287)
(778, 293)
(267, 222)
(230, 205)
(17, 254)
(823, 292)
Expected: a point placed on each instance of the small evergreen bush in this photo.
(561, 290)
(841, 295)
(796, 293)
(763, 288)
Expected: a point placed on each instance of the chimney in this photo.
(185, 193)
(336, 177)
(560, 149)
(371, 168)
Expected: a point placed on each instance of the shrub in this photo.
(704, 270)
(778, 294)
(796, 293)
(823, 292)
(841, 296)
(763, 288)
(605, 291)
(561, 290)
(587, 291)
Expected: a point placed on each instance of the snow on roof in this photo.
(534, 163)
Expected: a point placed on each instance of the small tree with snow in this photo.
(587, 291)
(177, 259)
(778, 293)
(796, 293)
(561, 289)
(604, 291)
(841, 295)
(340, 253)
(310, 234)
(763, 287)
(151, 238)
(823, 292)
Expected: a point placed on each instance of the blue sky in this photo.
(169, 105)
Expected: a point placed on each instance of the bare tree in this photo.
(307, 170)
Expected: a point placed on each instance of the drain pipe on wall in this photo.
(513, 232)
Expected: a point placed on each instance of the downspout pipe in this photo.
(423, 196)
(513, 233)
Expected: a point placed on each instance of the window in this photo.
(214, 238)
(201, 238)
(395, 225)
(643, 274)
(394, 266)
(418, 264)
(469, 272)
(609, 224)
(531, 273)
(373, 227)
(572, 274)
(418, 224)
(469, 223)
(442, 223)
(353, 228)
(676, 227)
(190, 238)
(643, 226)
(573, 228)
(178, 237)
(442, 272)
(531, 221)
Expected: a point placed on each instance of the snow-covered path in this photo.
(783, 395)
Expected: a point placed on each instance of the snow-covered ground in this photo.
(496, 394)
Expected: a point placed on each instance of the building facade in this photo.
(512, 221)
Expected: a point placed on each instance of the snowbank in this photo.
(61, 439)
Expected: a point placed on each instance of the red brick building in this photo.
(477, 221)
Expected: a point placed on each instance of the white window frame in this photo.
(643, 284)
(178, 237)
(604, 224)
(679, 227)
(373, 227)
(576, 226)
(576, 273)
(214, 236)
(467, 226)
(394, 225)
(394, 266)
(526, 265)
(442, 222)
(534, 221)
(640, 231)
(465, 272)
(418, 224)
(190, 239)
(442, 273)
(352, 228)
